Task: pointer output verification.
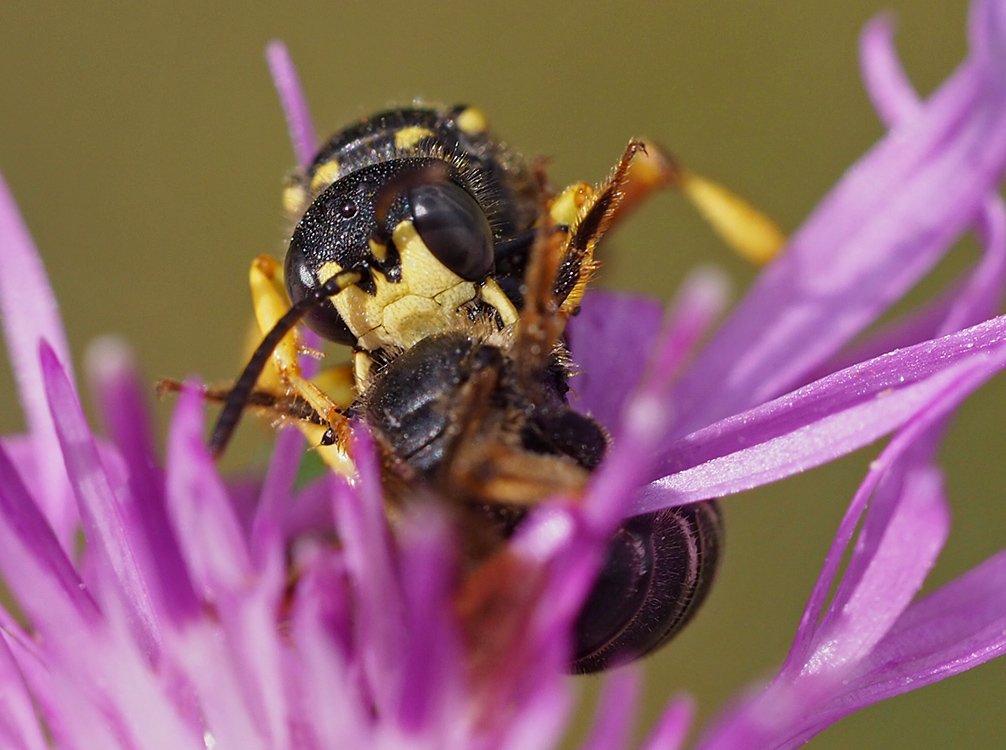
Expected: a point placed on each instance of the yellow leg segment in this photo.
(270, 302)
(644, 168)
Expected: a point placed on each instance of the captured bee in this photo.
(450, 267)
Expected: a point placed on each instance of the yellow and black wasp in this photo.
(451, 268)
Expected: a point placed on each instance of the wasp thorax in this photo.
(422, 244)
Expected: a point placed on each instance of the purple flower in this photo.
(176, 623)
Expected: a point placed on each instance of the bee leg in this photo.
(278, 405)
(331, 436)
(644, 168)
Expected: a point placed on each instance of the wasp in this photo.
(450, 267)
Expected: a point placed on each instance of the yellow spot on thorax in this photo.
(410, 136)
(472, 121)
(325, 175)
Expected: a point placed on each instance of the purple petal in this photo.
(958, 627)
(818, 422)
(119, 393)
(209, 535)
(607, 323)
(110, 538)
(885, 225)
(291, 98)
(885, 80)
(432, 686)
(540, 723)
(961, 625)
(268, 521)
(645, 418)
(33, 563)
(903, 553)
(980, 294)
(896, 102)
(616, 706)
(380, 629)
(201, 653)
(19, 727)
(672, 727)
(29, 313)
(333, 708)
(610, 322)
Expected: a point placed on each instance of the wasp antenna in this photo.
(239, 396)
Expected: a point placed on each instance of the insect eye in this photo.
(657, 571)
(348, 209)
(454, 228)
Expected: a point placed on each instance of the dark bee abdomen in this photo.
(658, 570)
(410, 402)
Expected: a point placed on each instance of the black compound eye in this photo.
(454, 227)
(657, 572)
(348, 209)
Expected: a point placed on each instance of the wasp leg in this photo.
(281, 406)
(644, 168)
(280, 347)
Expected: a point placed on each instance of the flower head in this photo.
(176, 623)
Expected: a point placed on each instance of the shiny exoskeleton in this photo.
(413, 248)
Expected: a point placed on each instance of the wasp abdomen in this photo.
(657, 572)
(413, 401)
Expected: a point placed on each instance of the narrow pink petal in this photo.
(212, 543)
(291, 98)
(29, 314)
(369, 556)
(311, 511)
(111, 539)
(896, 102)
(34, 565)
(609, 322)
(540, 723)
(19, 726)
(818, 422)
(672, 726)
(268, 522)
(432, 684)
(259, 656)
(646, 415)
(199, 650)
(885, 225)
(980, 295)
(71, 716)
(615, 711)
(959, 626)
(120, 396)
(903, 557)
(885, 80)
(334, 708)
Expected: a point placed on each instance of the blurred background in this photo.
(146, 149)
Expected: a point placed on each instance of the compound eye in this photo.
(657, 572)
(301, 280)
(454, 227)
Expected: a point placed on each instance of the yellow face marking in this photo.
(380, 251)
(472, 121)
(408, 137)
(429, 299)
(325, 175)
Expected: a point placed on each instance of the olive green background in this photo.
(146, 149)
